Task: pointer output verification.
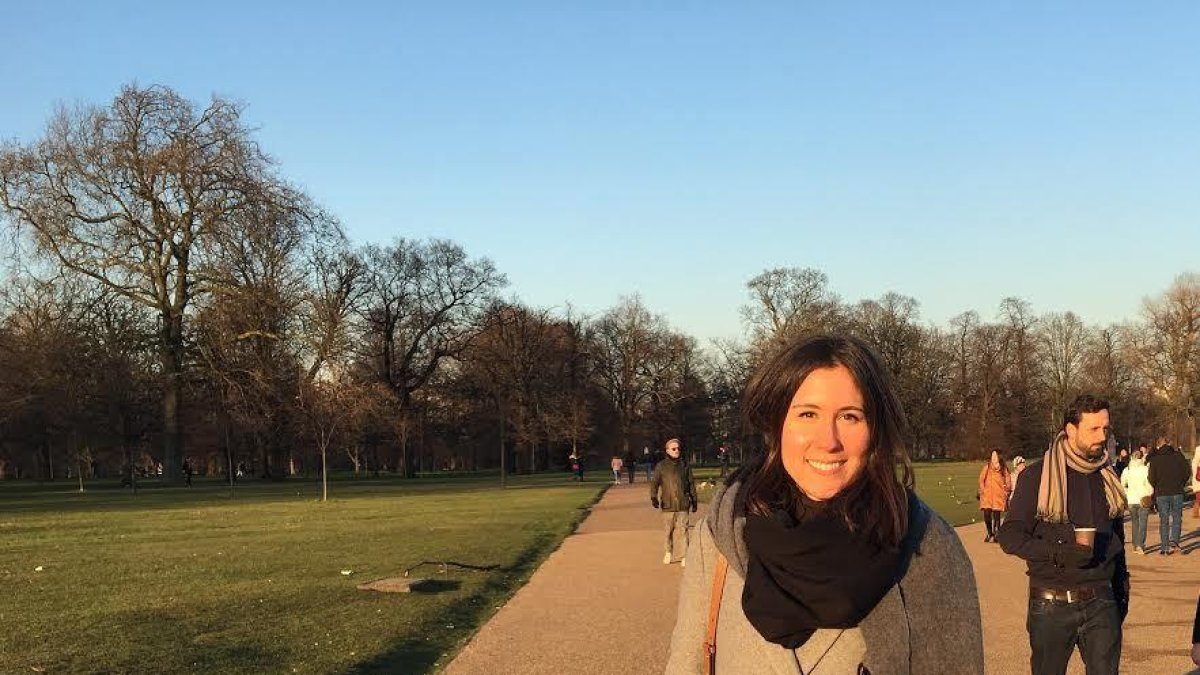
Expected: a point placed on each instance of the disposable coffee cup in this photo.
(1085, 536)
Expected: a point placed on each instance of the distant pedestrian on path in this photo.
(994, 486)
(1170, 475)
(576, 463)
(630, 465)
(1136, 481)
(673, 490)
(617, 465)
(723, 459)
(647, 462)
(808, 556)
(1066, 520)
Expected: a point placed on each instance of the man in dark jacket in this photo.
(1078, 592)
(673, 490)
(1170, 473)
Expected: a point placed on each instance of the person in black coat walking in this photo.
(1170, 474)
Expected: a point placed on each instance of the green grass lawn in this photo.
(948, 487)
(201, 581)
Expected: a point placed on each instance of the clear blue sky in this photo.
(955, 152)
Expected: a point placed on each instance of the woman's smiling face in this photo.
(825, 435)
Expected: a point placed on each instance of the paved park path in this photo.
(605, 603)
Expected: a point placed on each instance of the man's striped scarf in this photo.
(1052, 493)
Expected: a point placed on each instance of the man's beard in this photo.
(1091, 452)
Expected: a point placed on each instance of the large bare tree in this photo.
(423, 304)
(1063, 340)
(788, 301)
(636, 355)
(135, 195)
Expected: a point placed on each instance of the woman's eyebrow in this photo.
(817, 407)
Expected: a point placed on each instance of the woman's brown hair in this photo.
(1000, 458)
(877, 501)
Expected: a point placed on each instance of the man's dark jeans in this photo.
(1055, 628)
(1170, 519)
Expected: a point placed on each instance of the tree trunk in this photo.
(404, 450)
(503, 456)
(228, 451)
(324, 474)
(171, 359)
(264, 455)
(128, 451)
(1191, 431)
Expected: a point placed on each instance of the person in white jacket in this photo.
(1196, 483)
(1136, 481)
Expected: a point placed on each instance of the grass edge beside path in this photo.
(516, 577)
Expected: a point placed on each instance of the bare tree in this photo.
(1109, 370)
(253, 322)
(1063, 340)
(890, 325)
(329, 409)
(929, 407)
(1169, 350)
(980, 355)
(1023, 403)
(423, 304)
(635, 354)
(963, 327)
(571, 405)
(728, 369)
(788, 301)
(335, 291)
(512, 358)
(133, 195)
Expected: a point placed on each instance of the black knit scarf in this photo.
(811, 572)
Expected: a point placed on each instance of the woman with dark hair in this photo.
(994, 486)
(816, 556)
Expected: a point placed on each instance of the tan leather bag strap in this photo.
(714, 611)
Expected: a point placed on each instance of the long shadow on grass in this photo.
(148, 632)
(416, 655)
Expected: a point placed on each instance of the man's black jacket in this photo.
(1042, 544)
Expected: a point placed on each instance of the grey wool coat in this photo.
(928, 624)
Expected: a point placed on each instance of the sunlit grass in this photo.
(179, 580)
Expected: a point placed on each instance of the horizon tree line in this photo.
(172, 301)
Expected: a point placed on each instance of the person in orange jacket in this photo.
(994, 486)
